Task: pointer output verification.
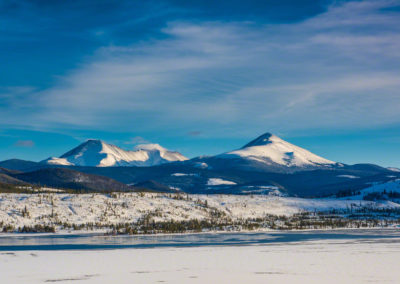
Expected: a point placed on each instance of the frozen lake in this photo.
(16, 242)
(342, 256)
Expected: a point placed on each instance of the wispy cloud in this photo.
(24, 143)
(137, 140)
(339, 69)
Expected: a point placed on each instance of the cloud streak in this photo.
(338, 70)
(24, 143)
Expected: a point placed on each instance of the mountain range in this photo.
(266, 165)
(96, 153)
(268, 153)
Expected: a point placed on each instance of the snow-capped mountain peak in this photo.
(271, 149)
(150, 147)
(97, 153)
(158, 153)
(265, 139)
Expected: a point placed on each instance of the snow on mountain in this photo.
(389, 186)
(347, 176)
(270, 149)
(97, 153)
(58, 161)
(378, 188)
(219, 181)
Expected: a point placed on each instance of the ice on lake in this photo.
(343, 256)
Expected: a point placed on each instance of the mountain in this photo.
(8, 171)
(6, 179)
(17, 164)
(96, 153)
(187, 177)
(271, 149)
(266, 165)
(268, 153)
(71, 179)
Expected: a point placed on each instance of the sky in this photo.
(201, 77)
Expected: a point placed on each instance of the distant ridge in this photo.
(72, 179)
(97, 153)
(265, 165)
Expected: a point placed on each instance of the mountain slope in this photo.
(268, 153)
(265, 165)
(17, 164)
(6, 179)
(71, 179)
(96, 153)
(269, 148)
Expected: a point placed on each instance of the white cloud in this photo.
(338, 69)
(137, 140)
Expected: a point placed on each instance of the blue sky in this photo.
(201, 77)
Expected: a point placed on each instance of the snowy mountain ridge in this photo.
(270, 149)
(266, 150)
(97, 153)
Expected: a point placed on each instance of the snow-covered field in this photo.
(314, 261)
(385, 188)
(21, 210)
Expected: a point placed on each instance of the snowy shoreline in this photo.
(100, 213)
(264, 230)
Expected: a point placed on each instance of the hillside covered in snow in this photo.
(181, 212)
(271, 149)
(97, 153)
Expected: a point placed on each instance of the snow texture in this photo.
(97, 153)
(219, 181)
(329, 261)
(183, 174)
(377, 187)
(347, 176)
(130, 207)
(269, 148)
